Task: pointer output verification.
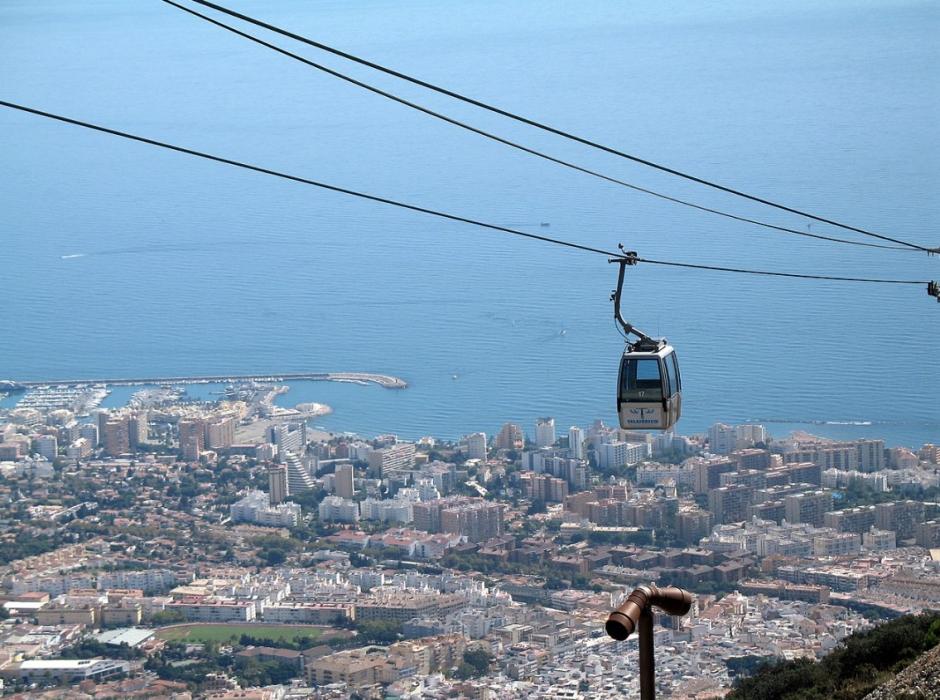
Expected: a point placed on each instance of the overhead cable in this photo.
(554, 130)
(420, 209)
(513, 144)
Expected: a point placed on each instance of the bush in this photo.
(860, 664)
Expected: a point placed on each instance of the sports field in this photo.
(213, 632)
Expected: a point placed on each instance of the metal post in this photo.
(647, 662)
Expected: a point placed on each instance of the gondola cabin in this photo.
(649, 395)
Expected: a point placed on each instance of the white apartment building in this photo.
(837, 544)
(476, 446)
(214, 611)
(722, 439)
(147, 580)
(545, 432)
(616, 454)
(394, 510)
(255, 508)
(47, 447)
(576, 442)
(336, 509)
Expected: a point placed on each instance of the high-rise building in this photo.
(510, 437)
(475, 518)
(343, 481)
(393, 461)
(543, 487)
(336, 509)
(728, 504)
(545, 432)
(47, 447)
(871, 455)
(749, 435)
(220, 432)
(192, 433)
(576, 442)
(138, 428)
(278, 488)
(929, 453)
(795, 473)
(755, 478)
(721, 439)
(902, 517)
(289, 437)
(693, 525)
(613, 455)
(298, 478)
(859, 520)
(476, 445)
(752, 458)
(89, 431)
(102, 416)
(708, 473)
(115, 439)
(927, 534)
(810, 507)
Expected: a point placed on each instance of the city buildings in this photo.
(810, 507)
(613, 455)
(255, 508)
(337, 509)
(343, 481)
(576, 442)
(545, 432)
(393, 461)
(510, 437)
(543, 487)
(474, 518)
(289, 438)
(902, 517)
(476, 446)
(299, 479)
(277, 483)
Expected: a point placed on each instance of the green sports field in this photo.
(212, 632)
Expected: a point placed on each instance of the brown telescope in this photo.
(636, 612)
(625, 619)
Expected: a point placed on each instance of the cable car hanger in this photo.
(643, 343)
(649, 386)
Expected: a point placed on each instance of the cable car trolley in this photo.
(649, 388)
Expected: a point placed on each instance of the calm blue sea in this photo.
(188, 267)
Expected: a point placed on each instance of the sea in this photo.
(119, 259)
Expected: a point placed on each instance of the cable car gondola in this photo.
(649, 388)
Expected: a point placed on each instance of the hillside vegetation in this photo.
(856, 667)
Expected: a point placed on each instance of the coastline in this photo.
(386, 381)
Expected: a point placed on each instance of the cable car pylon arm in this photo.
(629, 259)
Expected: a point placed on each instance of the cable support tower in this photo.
(555, 130)
(933, 288)
(513, 144)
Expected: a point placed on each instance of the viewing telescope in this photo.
(636, 612)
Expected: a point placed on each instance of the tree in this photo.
(379, 631)
(537, 506)
(465, 671)
(479, 659)
(167, 617)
